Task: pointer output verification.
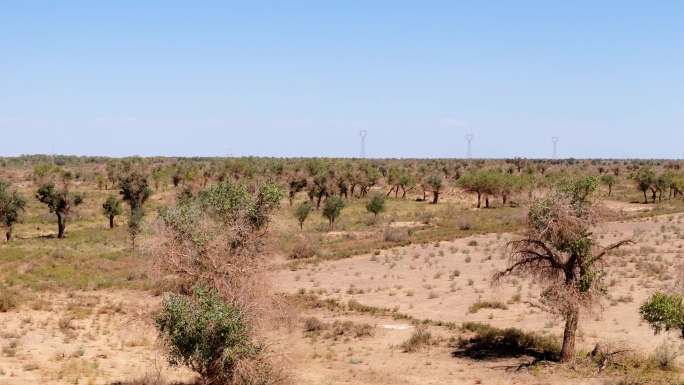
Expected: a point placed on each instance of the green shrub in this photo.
(205, 333)
(302, 212)
(376, 205)
(664, 312)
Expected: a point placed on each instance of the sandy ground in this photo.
(81, 338)
(101, 336)
(441, 281)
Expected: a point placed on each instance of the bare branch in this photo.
(609, 248)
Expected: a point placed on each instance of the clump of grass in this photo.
(313, 325)
(664, 356)
(350, 329)
(9, 299)
(479, 305)
(420, 339)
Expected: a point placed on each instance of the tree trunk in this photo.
(60, 226)
(571, 322)
(389, 192)
(435, 197)
(487, 201)
(645, 198)
(610, 189)
(111, 221)
(8, 233)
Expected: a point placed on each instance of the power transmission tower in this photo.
(469, 139)
(363, 134)
(554, 140)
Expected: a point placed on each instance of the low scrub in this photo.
(396, 234)
(479, 305)
(302, 249)
(338, 329)
(420, 339)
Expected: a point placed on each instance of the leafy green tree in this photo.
(608, 180)
(435, 184)
(302, 212)
(645, 180)
(508, 184)
(60, 202)
(11, 205)
(481, 182)
(664, 312)
(43, 171)
(296, 184)
(111, 208)
(376, 205)
(559, 252)
(332, 209)
(135, 189)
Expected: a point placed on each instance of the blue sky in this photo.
(302, 78)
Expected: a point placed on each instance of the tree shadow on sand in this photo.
(490, 343)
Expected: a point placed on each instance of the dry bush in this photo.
(396, 234)
(479, 305)
(9, 299)
(212, 242)
(302, 248)
(420, 339)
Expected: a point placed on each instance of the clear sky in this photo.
(301, 78)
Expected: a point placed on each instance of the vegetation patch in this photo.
(479, 305)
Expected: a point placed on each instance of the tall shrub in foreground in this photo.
(208, 249)
(205, 333)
